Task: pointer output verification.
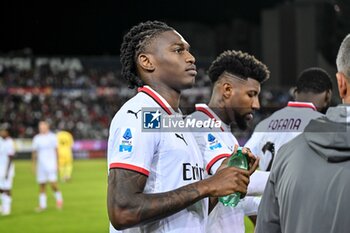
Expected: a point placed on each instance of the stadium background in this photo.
(60, 61)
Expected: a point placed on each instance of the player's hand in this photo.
(253, 161)
(232, 179)
(227, 181)
(224, 163)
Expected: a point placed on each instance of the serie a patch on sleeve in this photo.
(126, 139)
(212, 142)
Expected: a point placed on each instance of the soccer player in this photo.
(312, 97)
(7, 170)
(155, 181)
(45, 164)
(309, 186)
(65, 154)
(236, 79)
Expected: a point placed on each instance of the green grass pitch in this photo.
(84, 207)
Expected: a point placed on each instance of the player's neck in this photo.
(346, 99)
(218, 108)
(170, 95)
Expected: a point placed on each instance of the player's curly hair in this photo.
(240, 64)
(315, 80)
(134, 42)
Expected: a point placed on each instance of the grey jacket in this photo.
(309, 185)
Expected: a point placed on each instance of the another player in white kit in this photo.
(312, 96)
(155, 177)
(45, 164)
(7, 170)
(236, 79)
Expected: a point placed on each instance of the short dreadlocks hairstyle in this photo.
(315, 80)
(240, 64)
(134, 43)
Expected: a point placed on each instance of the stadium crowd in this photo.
(84, 102)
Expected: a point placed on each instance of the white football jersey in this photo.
(216, 145)
(279, 128)
(45, 145)
(169, 159)
(6, 150)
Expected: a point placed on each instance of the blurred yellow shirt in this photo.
(65, 144)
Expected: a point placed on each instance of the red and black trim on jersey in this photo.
(214, 160)
(129, 167)
(156, 97)
(165, 106)
(207, 112)
(301, 105)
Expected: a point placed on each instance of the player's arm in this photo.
(71, 139)
(257, 183)
(56, 144)
(214, 152)
(128, 206)
(253, 143)
(253, 164)
(9, 166)
(34, 160)
(11, 154)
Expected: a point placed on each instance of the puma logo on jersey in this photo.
(135, 113)
(181, 137)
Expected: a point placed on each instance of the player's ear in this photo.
(227, 89)
(145, 62)
(342, 85)
(328, 96)
(295, 92)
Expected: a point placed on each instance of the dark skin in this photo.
(321, 100)
(168, 67)
(128, 206)
(235, 99)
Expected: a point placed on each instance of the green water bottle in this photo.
(238, 160)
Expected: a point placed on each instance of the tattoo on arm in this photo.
(129, 206)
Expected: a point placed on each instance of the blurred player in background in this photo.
(309, 186)
(155, 181)
(236, 79)
(312, 96)
(65, 154)
(45, 164)
(7, 170)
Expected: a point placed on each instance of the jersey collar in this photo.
(210, 113)
(301, 105)
(158, 98)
